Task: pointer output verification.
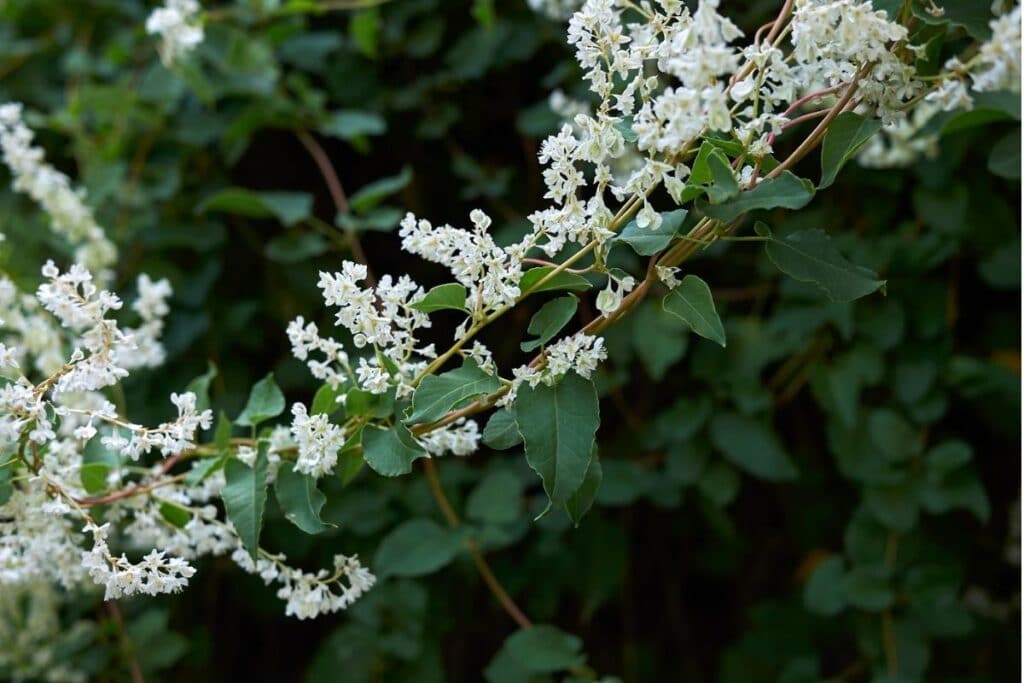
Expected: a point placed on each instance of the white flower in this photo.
(318, 440)
(179, 29)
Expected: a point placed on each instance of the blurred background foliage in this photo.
(832, 497)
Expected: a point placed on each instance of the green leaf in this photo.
(786, 191)
(359, 403)
(200, 386)
(625, 128)
(583, 499)
(549, 320)
(450, 296)
(823, 593)
(350, 458)
(222, 432)
(415, 548)
(204, 468)
(300, 500)
(175, 514)
(288, 207)
(325, 401)
(809, 256)
(351, 123)
(501, 431)
(295, 247)
(1004, 160)
(437, 394)
(497, 499)
(93, 476)
(390, 452)
(867, 588)
(691, 302)
(558, 424)
(843, 139)
(364, 28)
(749, 445)
(235, 200)
(719, 482)
(562, 280)
(245, 495)
(371, 195)
(538, 649)
(647, 242)
(265, 402)
(723, 185)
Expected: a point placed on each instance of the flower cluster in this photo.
(154, 575)
(310, 595)
(69, 216)
(318, 440)
(177, 24)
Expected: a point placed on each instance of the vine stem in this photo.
(338, 196)
(484, 569)
(126, 644)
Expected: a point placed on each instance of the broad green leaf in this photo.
(364, 29)
(325, 400)
(786, 191)
(843, 139)
(204, 468)
(719, 482)
(867, 587)
(1004, 160)
(288, 207)
(200, 386)
(296, 247)
(359, 403)
(581, 501)
(300, 500)
(749, 445)
(501, 431)
(497, 499)
(352, 123)
(563, 280)
(538, 649)
(235, 200)
(450, 296)
(416, 547)
(93, 476)
(558, 424)
(824, 593)
(691, 301)
(245, 495)
(724, 185)
(647, 242)
(390, 452)
(809, 256)
(175, 514)
(549, 320)
(222, 432)
(350, 458)
(625, 128)
(371, 195)
(437, 394)
(265, 402)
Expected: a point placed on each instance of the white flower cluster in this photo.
(490, 274)
(318, 440)
(69, 216)
(153, 575)
(995, 67)
(177, 23)
(580, 353)
(32, 635)
(310, 595)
